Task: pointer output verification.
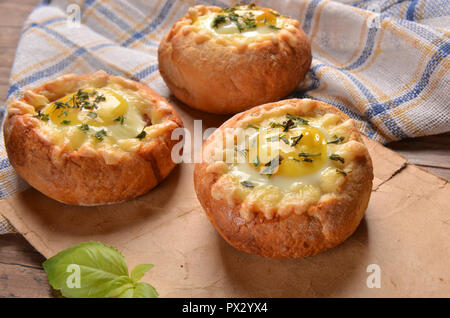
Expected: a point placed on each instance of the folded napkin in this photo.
(383, 62)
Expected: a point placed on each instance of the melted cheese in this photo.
(116, 119)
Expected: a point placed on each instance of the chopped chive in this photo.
(256, 162)
(341, 172)
(273, 138)
(41, 116)
(295, 140)
(247, 184)
(297, 119)
(241, 151)
(307, 154)
(100, 134)
(218, 20)
(84, 127)
(336, 157)
(286, 125)
(275, 125)
(272, 165)
(65, 122)
(92, 115)
(120, 119)
(252, 126)
(286, 141)
(99, 98)
(141, 135)
(337, 140)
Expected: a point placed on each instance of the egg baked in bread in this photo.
(228, 60)
(91, 139)
(287, 179)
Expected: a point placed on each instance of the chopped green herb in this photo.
(99, 98)
(341, 172)
(59, 105)
(286, 125)
(274, 27)
(79, 100)
(295, 140)
(141, 135)
(272, 165)
(82, 95)
(307, 160)
(100, 134)
(336, 157)
(256, 162)
(276, 125)
(241, 151)
(273, 138)
(41, 116)
(120, 119)
(243, 22)
(87, 105)
(92, 115)
(307, 154)
(84, 127)
(298, 120)
(247, 184)
(286, 141)
(252, 126)
(218, 20)
(337, 140)
(65, 122)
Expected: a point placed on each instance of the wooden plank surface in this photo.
(21, 273)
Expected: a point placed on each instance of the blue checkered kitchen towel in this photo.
(383, 62)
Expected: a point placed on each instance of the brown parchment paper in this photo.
(406, 231)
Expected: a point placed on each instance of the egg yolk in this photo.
(266, 17)
(297, 152)
(99, 107)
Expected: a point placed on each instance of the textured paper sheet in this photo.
(406, 231)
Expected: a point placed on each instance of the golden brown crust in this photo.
(324, 225)
(194, 63)
(84, 177)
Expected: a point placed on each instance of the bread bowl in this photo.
(227, 60)
(285, 180)
(91, 139)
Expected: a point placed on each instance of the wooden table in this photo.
(21, 273)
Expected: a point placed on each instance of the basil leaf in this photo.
(144, 290)
(139, 271)
(94, 270)
(118, 286)
(99, 268)
(128, 293)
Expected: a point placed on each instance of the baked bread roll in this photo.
(91, 139)
(228, 60)
(287, 179)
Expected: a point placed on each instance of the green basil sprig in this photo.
(95, 270)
